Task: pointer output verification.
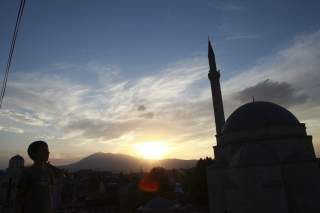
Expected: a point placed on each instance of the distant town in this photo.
(94, 190)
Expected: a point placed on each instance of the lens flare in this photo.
(148, 185)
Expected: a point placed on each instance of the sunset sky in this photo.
(105, 76)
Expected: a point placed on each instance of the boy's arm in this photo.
(56, 171)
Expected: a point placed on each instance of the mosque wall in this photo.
(302, 186)
(216, 182)
(256, 189)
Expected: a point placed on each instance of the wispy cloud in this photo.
(242, 36)
(11, 129)
(294, 78)
(87, 114)
(172, 105)
(227, 6)
(28, 118)
(296, 65)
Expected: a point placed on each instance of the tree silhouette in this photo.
(195, 181)
(156, 183)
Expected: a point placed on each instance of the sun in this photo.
(152, 150)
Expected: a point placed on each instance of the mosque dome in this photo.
(254, 154)
(259, 114)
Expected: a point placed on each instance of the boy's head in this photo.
(38, 151)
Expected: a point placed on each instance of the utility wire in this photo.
(12, 46)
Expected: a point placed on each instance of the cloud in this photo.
(78, 111)
(11, 129)
(179, 107)
(241, 36)
(45, 96)
(100, 129)
(141, 108)
(147, 115)
(294, 71)
(295, 67)
(279, 92)
(227, 6)
(23, 117)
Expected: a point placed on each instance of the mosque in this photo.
(264, 160)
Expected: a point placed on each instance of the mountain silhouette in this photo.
(125, 163)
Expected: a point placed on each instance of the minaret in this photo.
(214, 77)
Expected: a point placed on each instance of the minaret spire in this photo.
(211, 57)
(214, 77)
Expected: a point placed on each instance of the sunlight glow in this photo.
(152, 150)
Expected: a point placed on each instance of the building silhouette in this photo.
(16, 162)
(9, 183)
(264, 159)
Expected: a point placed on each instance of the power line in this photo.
(12, 46)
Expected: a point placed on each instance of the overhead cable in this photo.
(12, 46)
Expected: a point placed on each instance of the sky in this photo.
(104, 76)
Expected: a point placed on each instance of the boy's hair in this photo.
(34, 146)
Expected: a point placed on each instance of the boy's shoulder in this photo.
(33, 174)
(27, 173)
(32, 170)
(26, 170)
(29, 169)
(25, 177)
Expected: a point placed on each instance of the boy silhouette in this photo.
(35, 188)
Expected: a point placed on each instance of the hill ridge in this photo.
(118, 162)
